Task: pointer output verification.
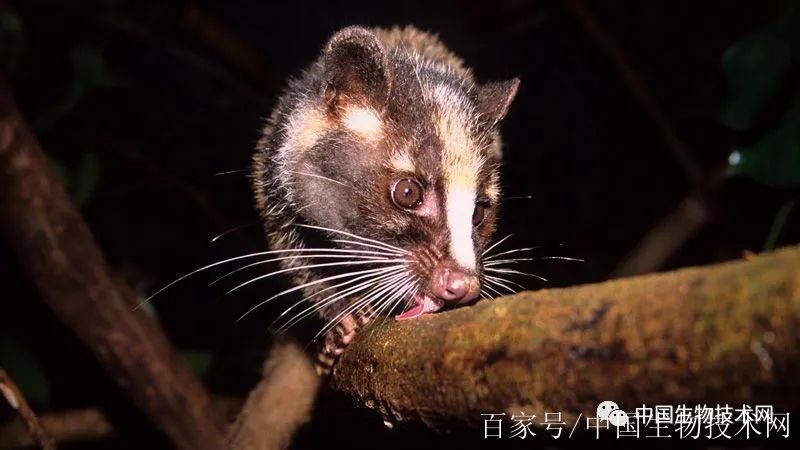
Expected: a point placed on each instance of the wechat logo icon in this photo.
(610, 411)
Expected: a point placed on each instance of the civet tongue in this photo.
(424, 304)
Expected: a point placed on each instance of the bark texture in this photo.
(726, 333)
(281, 402)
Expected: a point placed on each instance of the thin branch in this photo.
(225, 42)
(638, 87)
(280, 403)
(672, 232)
(666, 237)
(84, 425)
(694, 211)
(17, 401)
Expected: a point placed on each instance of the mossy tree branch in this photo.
(726, 333)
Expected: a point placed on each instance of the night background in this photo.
(616, 151)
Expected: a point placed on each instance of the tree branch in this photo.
(280, 403)
(638, 87)
(695, 210)
(17, 401)
(84, 425)
(79, 425)
(667, 237)
(58, 253)
(725, 333)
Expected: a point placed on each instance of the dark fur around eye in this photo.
(479, 213)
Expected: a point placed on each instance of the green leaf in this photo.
(198, 361)
(12, 41)
(85, 179)
(81, 181)
(89, 71)
(757, 70)
(61, 171)
(774, 160)
(760, 71)
(25, 371)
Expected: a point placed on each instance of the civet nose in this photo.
(454, 286)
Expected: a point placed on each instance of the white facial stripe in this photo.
(460, 204)
(363, 121)
(461, 163)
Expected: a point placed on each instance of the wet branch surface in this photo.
(726, 333)
(56, 250)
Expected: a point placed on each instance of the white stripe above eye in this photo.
(401, 162)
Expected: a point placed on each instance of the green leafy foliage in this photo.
(89, 72)
(85, 179)
(762, 73)
(198, 361)
(24, 370)
(774, 159)
(757, 72)
(81, 180)
(12, 41)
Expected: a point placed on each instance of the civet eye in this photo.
(407, 193)
(478, 214)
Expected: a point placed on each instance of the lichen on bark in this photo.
(725, 333)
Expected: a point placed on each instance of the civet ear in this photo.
(356, 68)
(492, 100)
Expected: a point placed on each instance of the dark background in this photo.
(141, 104)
